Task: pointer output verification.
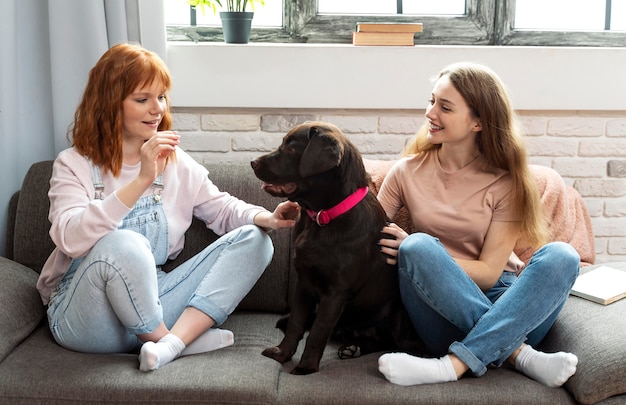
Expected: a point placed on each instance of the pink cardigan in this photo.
(79, 221)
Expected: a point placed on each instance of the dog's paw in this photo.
(349, 352)
(282, 323)
(304, 370)
(277, 354)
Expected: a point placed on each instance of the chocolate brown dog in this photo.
(344, 286)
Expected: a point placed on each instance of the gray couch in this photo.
(34, 369)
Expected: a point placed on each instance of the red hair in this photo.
(97, 128)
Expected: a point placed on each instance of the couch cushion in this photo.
(596, 334)
(21, 309)
(41, 371)
(8, 247)
(239, 374)
(358, 381)
(32, 244)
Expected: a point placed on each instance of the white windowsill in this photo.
(309, 76)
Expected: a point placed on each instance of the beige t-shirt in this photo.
(455, 207)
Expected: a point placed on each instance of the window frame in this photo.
(486, 22)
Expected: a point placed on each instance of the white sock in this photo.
(155, 355)
(404, 369)
(212, 339)
(551, 369)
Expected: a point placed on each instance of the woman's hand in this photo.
(389, 244)
(154, 153)
(284, 216)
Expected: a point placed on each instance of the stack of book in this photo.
(393, 34)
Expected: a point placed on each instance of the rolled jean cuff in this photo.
(145, 328)
(215, 312)
(467, 357)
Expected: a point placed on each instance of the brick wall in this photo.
(587, 148)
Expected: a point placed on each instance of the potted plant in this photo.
(236, 21)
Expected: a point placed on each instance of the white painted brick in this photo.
(581, 146)
(616, 128)
(580, 167)
(617, 246)
(616, 168)
(540, 160)
(202, 141)
(576, 127)
(601, 187)
(227, 158)
(256, 142)
(603, 148)
(400, 124)
(197, 156)
(230, 122)
(284, 122)
(185, 122)
(375, 156)
(533, 126)
(615, 207)
(352, 124)
(609, 226)
(595, 206)
(549, 146)
(600, 245)
(377, 144)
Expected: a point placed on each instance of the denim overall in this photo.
(147, 218)
(118, 290)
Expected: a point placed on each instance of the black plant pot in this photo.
(236, 26)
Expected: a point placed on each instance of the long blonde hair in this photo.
(97, 128)
(499, 141)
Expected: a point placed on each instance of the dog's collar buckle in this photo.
(323, 217)
(317, 218)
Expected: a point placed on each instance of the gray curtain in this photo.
(46, 51)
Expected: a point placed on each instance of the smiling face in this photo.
(143, 111)
(450, 118)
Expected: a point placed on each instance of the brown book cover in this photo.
(383, 38)
(389, 27)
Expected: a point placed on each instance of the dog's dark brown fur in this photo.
(344, 285)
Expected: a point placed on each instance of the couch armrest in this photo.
(596, 334)
(21, 308)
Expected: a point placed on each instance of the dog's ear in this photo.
(322, 153)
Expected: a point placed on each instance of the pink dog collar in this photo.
(323, 217)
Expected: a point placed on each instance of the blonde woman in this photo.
(471, 197)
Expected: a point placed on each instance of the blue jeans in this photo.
(117, 290)
(453, 315)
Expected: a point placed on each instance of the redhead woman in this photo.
(121, 199)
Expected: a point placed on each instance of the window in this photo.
(446, 22)
(416, 7)
(179, 13)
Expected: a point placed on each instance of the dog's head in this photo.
(314, 158)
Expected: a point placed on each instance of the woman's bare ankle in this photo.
(459, 367)
(513, 356)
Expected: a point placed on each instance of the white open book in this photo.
(603, 285)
